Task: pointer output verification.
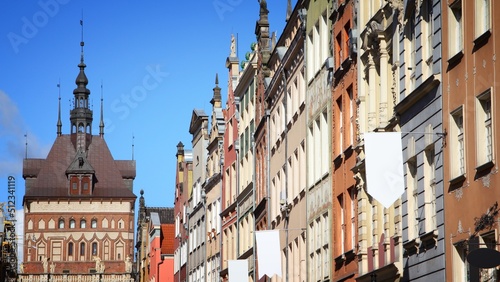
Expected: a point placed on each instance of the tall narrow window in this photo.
(342, 222)
(457, 144)
(93, 223)
(412, 198)
(82, 248)
(70, 248)
(94, 249)
(61, 223)
(483, 14)
(484, 134)
(460, 265)
(429, 190)
(83, 223)
(455, 27)
(71, 223)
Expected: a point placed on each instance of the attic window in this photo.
(80, 161)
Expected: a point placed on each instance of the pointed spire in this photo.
(81, 115)
(288, 10)
(59, 123)
(101, 123)
(217, 96)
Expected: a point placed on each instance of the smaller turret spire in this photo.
(101, 123)
(59, 123)
(217, 96)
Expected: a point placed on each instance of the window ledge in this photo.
(429, 239)
(457, 179)
(411, 247)
(482, 39)
(484, 166)
(453, 60)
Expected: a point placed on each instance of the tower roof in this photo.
(48, 176)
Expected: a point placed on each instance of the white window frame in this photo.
(455, 24)
(482, 17)
(484, 128)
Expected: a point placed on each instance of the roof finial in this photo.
(101, 123)
(59, 123)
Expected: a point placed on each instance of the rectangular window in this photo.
(411, 65)
(342, 222)
(412, 197)
(455, 28)
(352, 198)
(428, 32)
(310, 56)
(82, 249)
(460, 265)
(429, 190)
(484, 134)
(325, 153)
(340, 127)
(457, 144)
(483, 14)
(352, 121)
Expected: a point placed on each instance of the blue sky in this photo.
(156, 61)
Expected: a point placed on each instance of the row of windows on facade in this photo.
(72, 250)
(83, 224)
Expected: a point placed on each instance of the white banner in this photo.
(238, 270)
(384, 166)
(268, 253)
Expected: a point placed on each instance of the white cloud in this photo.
(13, 134)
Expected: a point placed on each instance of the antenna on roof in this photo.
(101, 122)
(81, 42)
(59, 123)
(133, 137)
(26, 150)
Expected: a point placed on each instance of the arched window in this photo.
(94, 249)
(70, 248)
(61, 223)
(83, 223)
(71, 223)
(93, 223)
(82, 248)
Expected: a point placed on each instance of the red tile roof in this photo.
(50, 174)
(168, 240)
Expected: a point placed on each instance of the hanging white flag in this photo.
(268, 253)
(238, 270)
(384, 166)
